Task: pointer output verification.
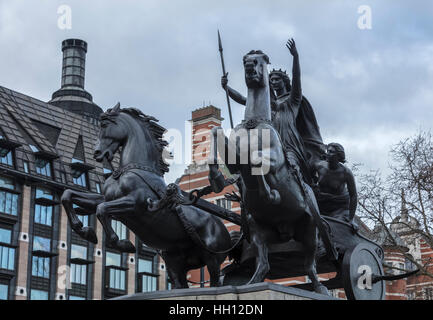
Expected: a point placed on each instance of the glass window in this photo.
(78, 252)
(168, 282)
(81, 180)
(148, 283)
(43, 167)
(146, 279)
(41, 244)
(76, 298)
(116, 276)
(84, 220)
(38, 295)
(117, 279)
(7, 183)
(7, 255)
(145, 265)
(44, 193)
(26, 166)
(41, 267)
(224, 203)
(34, 148)
(113, 259)
(98, 188)
(78, 273)
(8, 203)
(4, 289)
(6, 157)
(5, 235)
(43, 214)
(8, 200)
(119, 228)
(107, 171)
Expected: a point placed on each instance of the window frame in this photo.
(153, 275)
(9, 157)
(44, 171)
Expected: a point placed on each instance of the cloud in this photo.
(367, 86)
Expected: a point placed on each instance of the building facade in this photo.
(45, 148)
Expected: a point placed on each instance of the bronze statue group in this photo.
(321, 166)
(306, 180)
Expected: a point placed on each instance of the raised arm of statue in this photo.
(351, 187)
(236, 96)
(296, 91)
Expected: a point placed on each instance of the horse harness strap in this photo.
(119, 171)
(176, 204)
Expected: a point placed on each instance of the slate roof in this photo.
(53, 130)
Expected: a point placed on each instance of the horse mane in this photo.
(157, 132)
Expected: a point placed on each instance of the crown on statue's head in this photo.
(279, 72)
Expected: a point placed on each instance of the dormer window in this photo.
(6, 151)
(80, 180)
(33, 148)
(79, 172)
(6, 156)
(43, 160)
(43, 167)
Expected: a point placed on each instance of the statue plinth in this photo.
(258, 291)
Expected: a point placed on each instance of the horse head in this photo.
(111, 135)
(255, 65)
(139, 135)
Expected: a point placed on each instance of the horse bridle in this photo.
(121, 170)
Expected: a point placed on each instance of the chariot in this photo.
(358, 269)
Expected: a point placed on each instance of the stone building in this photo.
(45, 148)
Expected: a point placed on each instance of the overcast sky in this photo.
(369, 87)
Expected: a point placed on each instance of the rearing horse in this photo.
(131, 192)
(279, 204)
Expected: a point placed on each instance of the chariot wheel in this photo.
(360, 270)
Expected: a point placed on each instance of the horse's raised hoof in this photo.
(88, 234)
(321, 289)
(125, 246)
